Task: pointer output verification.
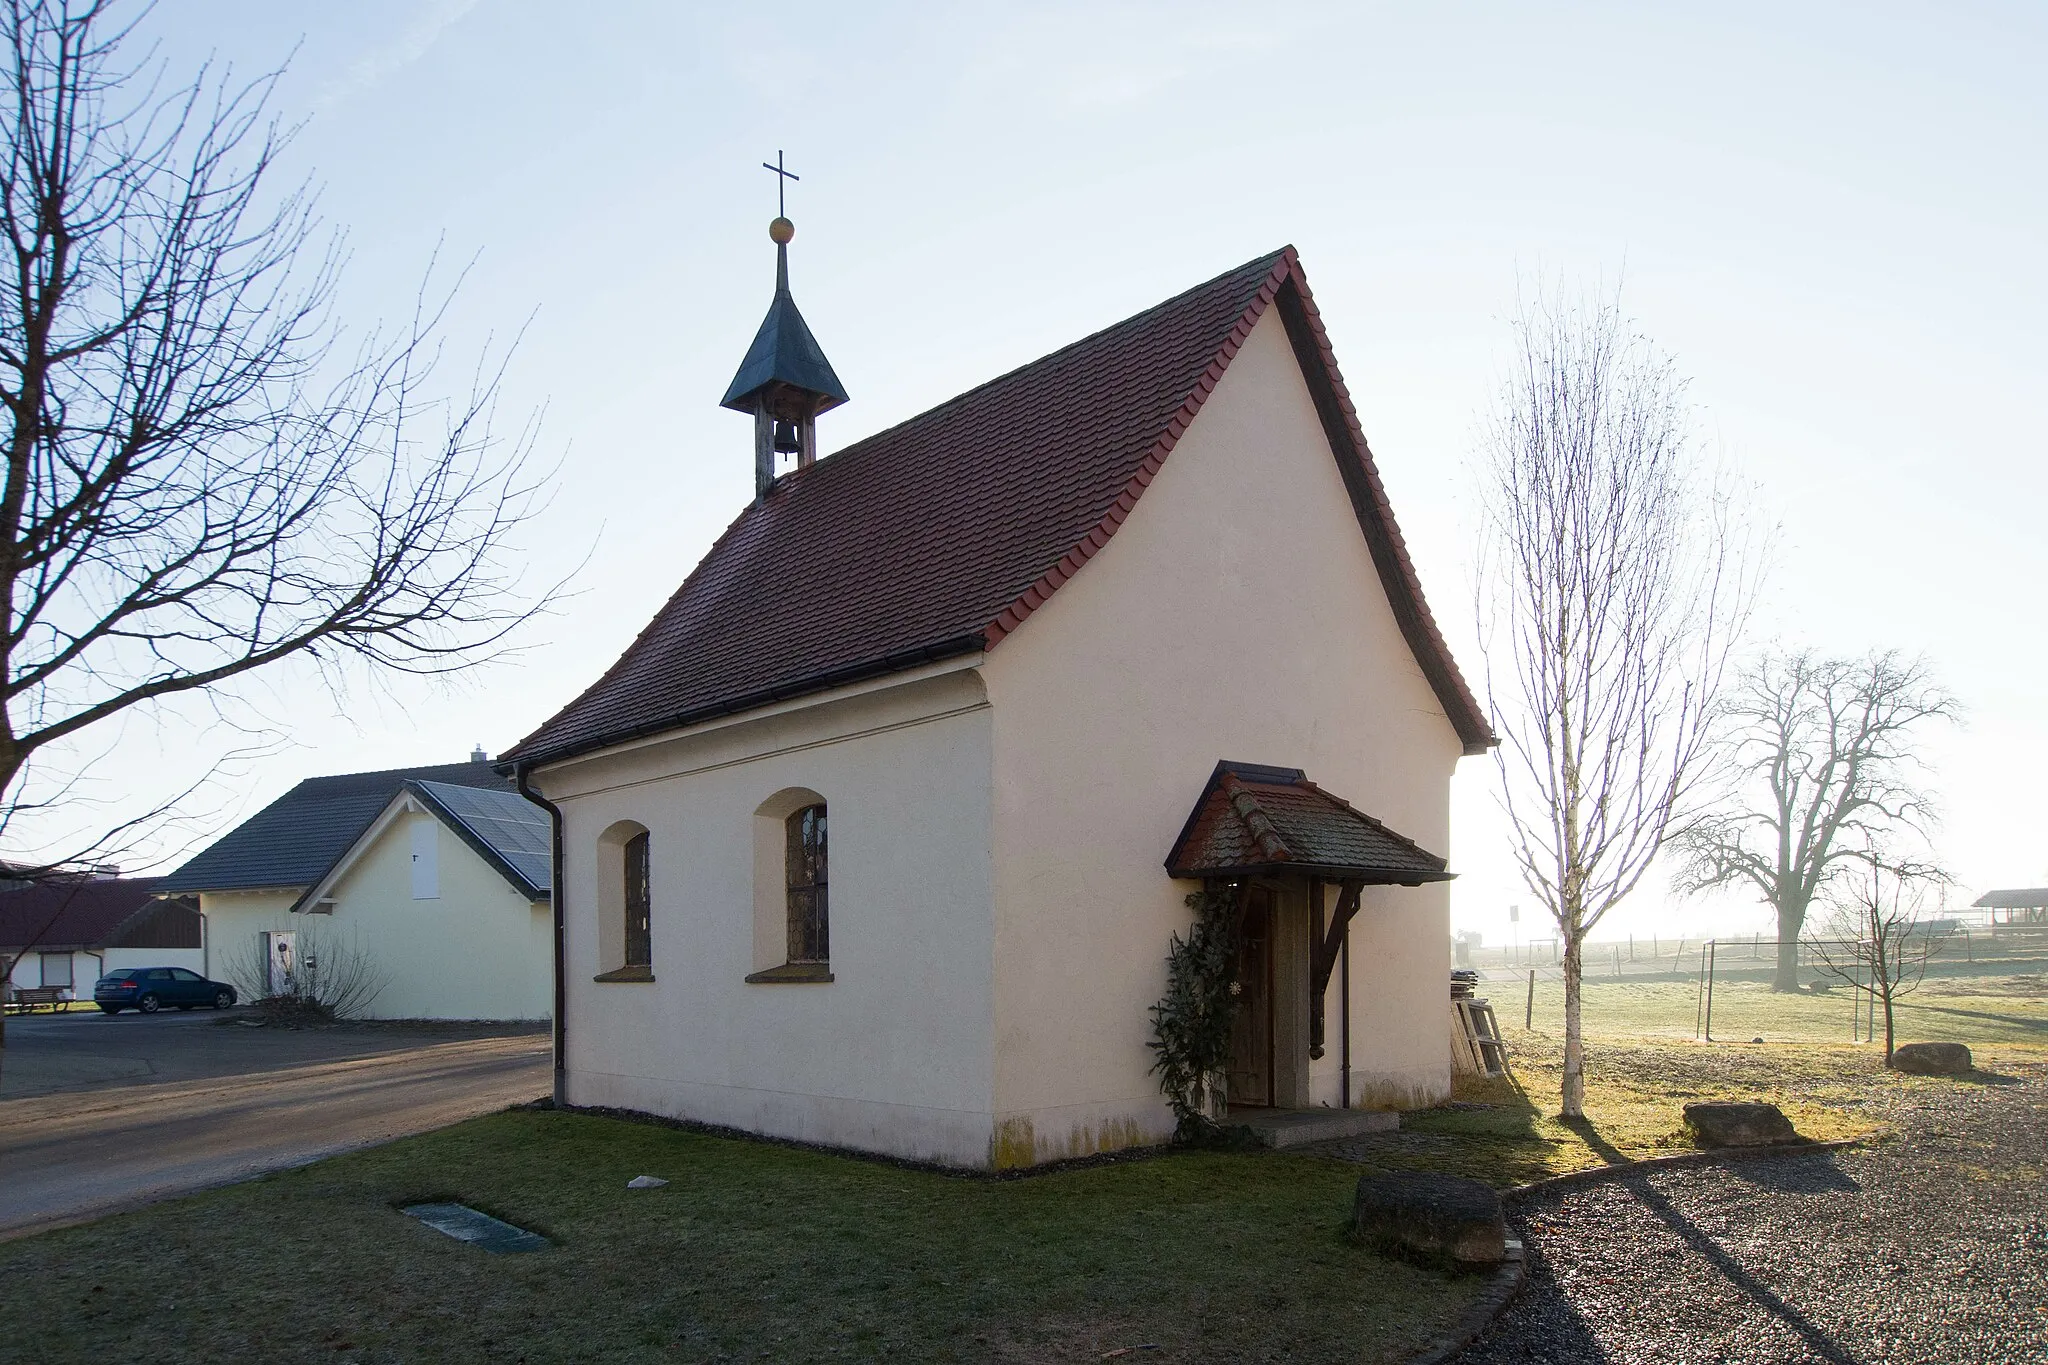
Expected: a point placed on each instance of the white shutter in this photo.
(426, 858)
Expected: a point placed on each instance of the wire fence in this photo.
(1723, 988)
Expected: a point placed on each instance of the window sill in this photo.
(639, 972)
(793, 973)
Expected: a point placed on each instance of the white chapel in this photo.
(877, 834)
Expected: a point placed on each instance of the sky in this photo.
(1829, 213)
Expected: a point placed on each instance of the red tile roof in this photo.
(939, 536)
(1259, 819)
(94, 913)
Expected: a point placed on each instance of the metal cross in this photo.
(781, 184)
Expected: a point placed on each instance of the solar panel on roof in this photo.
(505, 822)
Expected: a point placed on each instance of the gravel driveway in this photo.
(1930, 1249)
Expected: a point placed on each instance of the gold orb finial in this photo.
(780, 231)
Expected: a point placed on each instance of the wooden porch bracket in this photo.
(1323, 952)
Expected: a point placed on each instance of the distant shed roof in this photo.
(294, 840)
(2020, 898)
(938, 537)
(93, 913)
(1252, 818)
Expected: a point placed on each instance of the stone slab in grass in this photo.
(1431, 1219)
(1738, 1123)
(1931, 1059)
(480, 1230)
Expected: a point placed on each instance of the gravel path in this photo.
(1931, 1249)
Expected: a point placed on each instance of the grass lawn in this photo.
(753, 1252)
(760, 1252)
(1644, 1065)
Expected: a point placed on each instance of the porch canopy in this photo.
(1254, 820)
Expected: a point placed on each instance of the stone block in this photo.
(1431, 1219)
(1738, 1123)
(1931, 1059)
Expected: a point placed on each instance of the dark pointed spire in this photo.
(785, 380)
(784, 353)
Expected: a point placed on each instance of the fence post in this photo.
(1699, 998)
(1529, 1010)
(1707, 956)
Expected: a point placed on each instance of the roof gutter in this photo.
(561, 1011)
(971, 643)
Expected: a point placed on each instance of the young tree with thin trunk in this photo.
(1616, 575)
(1877, 939)
(1819, 766)
(201, 474)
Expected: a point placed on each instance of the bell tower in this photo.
(785, 381)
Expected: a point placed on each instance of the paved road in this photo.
(99, 1113)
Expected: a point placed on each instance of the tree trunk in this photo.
(1574, 1096)
(1886, 996)
(1791, 919)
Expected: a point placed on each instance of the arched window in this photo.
(792, 891)
(625, 903)
(639, 904)
(805, 884)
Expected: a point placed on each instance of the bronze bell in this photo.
(786, 442)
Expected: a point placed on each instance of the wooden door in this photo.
(1250, 1077)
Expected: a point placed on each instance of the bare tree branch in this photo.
(203, 478)
(1616, 575)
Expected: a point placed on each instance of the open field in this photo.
(1644, 1065)
(1986, 1003)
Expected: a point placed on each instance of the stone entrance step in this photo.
(1298, 1127)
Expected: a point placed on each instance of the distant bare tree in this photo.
(1819, 759)
(1876, 938)
(1616, 575)
(202, 477)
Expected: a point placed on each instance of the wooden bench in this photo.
(24, 999)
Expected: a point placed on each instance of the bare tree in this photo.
(328, 974)
(203, 478)
(1616, 575)
(1877, 938)
(1819, 759)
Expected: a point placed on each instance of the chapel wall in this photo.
(893, 1055)
(1236, 614)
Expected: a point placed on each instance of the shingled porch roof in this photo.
(1254, 819)
(938, 537)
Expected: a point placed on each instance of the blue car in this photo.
(149, 989)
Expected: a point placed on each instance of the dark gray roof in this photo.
(784, 352)
(507, 831)
(294, 840)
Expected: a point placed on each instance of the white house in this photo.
(435, 878)
(1043, 660)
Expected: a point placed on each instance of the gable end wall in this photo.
(1238, 614)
